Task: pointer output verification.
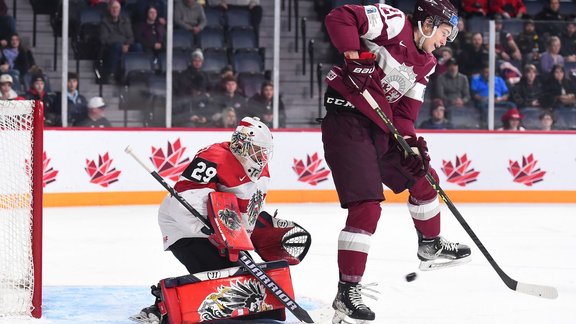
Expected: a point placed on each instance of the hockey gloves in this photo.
(279, 239)
(416, 164)
(358, 72)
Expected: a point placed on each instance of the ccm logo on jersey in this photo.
(339, 102)
(363, 70)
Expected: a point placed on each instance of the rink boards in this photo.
(89, 167)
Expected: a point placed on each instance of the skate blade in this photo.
(342, 318)
(442, 263)
(143, 319)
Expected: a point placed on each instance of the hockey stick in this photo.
(530, 289)
(244, 258)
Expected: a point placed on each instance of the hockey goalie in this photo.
(226, 183)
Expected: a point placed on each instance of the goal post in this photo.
(21, 184)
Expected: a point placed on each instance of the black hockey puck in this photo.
(411, 276)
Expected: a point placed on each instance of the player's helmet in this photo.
(441, 12)
(252, 145)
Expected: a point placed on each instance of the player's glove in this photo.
(416, 164)
(358, 72)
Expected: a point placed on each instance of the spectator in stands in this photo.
(559, 91)
(506, 48)
(189, 15)
(96, 112)
(261, 105)
(568, 41)
(37, 92)
(546, 120)
(437, 118)
(512, 120)
(252, 5)
(193, 80)
(552, 55)
(479, 89)
(198, 111)
(473, 56)
(474, 8)
(453, 87)
(231, 97)
(528, 91)
(6, 91)
(140, 11)
(530, 43)
(443, 54)
(77, 104)
(228, 119)
(150, 33)
(464, 37)
(554, 19)
(225, 73)
(16, 57)
(117, 38)
(7, 24)
(508, 8)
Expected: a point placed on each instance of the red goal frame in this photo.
(37, 189)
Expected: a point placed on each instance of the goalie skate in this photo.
(348, 305)
(436, 253)
(148, 315)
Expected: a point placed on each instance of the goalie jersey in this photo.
(214, 168)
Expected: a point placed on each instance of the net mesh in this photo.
(16, 260)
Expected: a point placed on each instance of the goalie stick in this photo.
(530, 289)
(244, 258)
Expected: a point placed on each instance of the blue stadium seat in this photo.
(533, 7)
(531, 119)
(215, 59)
(137, 67)
(248, 61)
(242, 38)
(465, 118)
(157, 85)
(566, 118)
(250, 83)
(86, 44)
(180, 60)
(211, 37)
(214, 17)
(513, 26)
(476, 24)
(238, 17)
(183, 39)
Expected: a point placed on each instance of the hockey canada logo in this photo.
(311, 172)
(230, 219)
(527, 173)
(240, 298)
(48, 173)
(102, 173)
(460, 173)
(171, 164)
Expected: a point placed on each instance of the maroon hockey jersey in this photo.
(402, 68)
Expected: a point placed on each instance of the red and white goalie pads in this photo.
(223, 294)
(229, 231)
(279, 239)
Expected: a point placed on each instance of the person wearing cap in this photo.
(95, 118)
(6, 91)
(508, 8)
(37, 91)
(528, 91)
(453, 87)
(512, 120)
(193, 81)
(437, 118)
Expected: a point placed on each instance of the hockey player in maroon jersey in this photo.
(389, 55)
(240, 167)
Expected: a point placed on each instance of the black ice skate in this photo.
(349, 306)
(148, 315)
(435, 253)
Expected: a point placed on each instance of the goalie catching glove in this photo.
(279, 239)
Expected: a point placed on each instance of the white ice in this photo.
(533, 243)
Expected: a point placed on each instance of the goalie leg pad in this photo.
(279, 239)
(225, 294)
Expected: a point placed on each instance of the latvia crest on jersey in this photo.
(397, 82)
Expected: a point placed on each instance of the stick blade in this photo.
(537, 290)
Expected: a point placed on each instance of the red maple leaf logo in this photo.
(102, 173)
(170, 165)
(526, 174)
(311, 172)
(459, 174)
(49, 174)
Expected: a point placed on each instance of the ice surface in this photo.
(100, 261)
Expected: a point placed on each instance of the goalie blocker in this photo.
(223, 294)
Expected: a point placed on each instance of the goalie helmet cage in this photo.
(21, 182)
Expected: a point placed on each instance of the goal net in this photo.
(21, 124)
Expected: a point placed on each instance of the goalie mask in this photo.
(252, 145)
(440, 12)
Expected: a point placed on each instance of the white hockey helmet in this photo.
(252, 145)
